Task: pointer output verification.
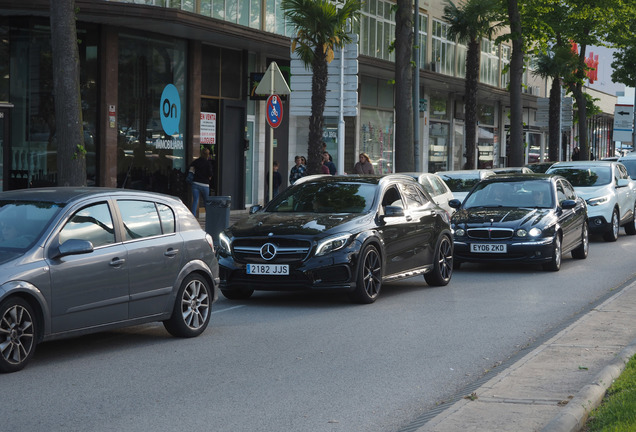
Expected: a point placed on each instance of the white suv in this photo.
(609, 192)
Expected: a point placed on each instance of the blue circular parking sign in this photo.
(170, 110)
(274, 111)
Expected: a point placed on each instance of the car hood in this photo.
(504, 217)
(296, 224)
(588, 192)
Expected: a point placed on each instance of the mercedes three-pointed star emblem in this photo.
(268, 251)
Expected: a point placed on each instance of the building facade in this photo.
(160, 78)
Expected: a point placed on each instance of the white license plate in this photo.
(488, 248)
(268, 269)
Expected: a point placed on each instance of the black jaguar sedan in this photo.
(347, 233)
(531, 218)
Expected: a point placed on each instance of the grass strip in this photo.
(617, 412)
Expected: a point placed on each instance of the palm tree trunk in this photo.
(472, 81)
(404, 146)
(516, 71)
(71, 164)
(316, 120)
(554, 116)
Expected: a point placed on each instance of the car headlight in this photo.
(224, 243)
(534, 232)
(459, 232)
(598, 201)
(331, 244)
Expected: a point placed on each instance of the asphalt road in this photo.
(310, 362)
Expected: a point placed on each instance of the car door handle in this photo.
(116, 262)
(171, 252)
(409, 218)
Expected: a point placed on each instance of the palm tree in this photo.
(71, 163)
(469, 23)
(320, 27)
(555, 64)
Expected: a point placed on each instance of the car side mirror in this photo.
(74, 247)
(393, 211)
(568, 204)
(255, 208)
(622, 183)
(455, 203)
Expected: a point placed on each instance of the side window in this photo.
(392, 198)
(412, 196)
(140, 219)
(569, 191)
(617, 175)
(438, 185)
(167, 219)
(561, 196)
(429, 186)
(93, 223)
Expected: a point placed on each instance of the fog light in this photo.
(597, 221)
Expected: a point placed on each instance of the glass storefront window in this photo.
(485, 147)
(439, 144)
(376, 139)
(439, 108)
(151, 116)
(32, 158)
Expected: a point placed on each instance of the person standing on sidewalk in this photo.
(202, 168)
(297, 171)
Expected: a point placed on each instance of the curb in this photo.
(574, 416)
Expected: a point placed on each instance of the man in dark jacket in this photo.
(202, 168)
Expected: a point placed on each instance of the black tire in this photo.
(442, 270)
(630, 228)
(18, 331)
(237, 294)
(369, 278)
(555, 262)
(580, 252)
(611, 235)
(191, 313)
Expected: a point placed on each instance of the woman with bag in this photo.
(202, 169)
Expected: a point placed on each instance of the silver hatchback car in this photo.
(82, 260)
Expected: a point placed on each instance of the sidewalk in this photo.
(554, 387)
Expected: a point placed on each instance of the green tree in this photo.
(71, 163)
(404, 145)
(320, 27)
(517, 59)
(469, 23)
(588, 24)
(555, 63)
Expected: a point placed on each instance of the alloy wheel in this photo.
(195, 305)
(17, 335)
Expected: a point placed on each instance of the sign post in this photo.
(274, 84)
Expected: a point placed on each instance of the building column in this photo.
(108, 110)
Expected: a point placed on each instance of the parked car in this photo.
(528, 218)
(629, 160)
(82, 260)
(436, 188)
(539, 167)
(461, 182)
(609, 191)
(343, 233)
(512, 170)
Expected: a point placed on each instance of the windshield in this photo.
(630, 164)
(534, 194)
(460, 182)
(585, 176)
(22, 222)
(325, 197)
